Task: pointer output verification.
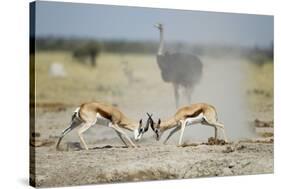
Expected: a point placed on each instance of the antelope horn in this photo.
(151, 121)
(147, 122)
(149, 115)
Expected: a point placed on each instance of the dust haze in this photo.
(221, 85)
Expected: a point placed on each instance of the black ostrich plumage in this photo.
(183, 69)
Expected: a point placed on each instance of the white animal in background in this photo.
(57, 70)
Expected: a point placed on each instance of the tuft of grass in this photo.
(260, 85)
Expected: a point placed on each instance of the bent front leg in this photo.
(183, 123)
(81, 130)
(124, 133)
(171, 133)
(119, 134)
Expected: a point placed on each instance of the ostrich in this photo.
(182, 70)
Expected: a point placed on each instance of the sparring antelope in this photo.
(87, 114)
(196, 113)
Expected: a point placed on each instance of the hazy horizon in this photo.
(106, 22)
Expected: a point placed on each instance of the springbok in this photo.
(196, 113)
(86, 116)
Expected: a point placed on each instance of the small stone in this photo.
(226, 171)
(231, 165)
(240, 147)
(228, 149)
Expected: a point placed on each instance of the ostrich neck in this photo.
(161, 44)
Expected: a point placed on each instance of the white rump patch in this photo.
(101, 117)
(103, 121)
(194, 120)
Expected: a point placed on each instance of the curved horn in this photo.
(149, 116)
(148, 122)
(151, 121)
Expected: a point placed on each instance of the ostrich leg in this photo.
(188, 90)
(176, 91)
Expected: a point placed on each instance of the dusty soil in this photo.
(109, 161)
(116, 164)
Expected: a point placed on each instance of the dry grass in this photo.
(260, 85)
(106, 82)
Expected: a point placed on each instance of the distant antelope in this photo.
(86, 116)
(188, 115)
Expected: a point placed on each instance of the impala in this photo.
(196, 113)
(87, 114)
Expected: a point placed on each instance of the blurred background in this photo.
(108, 53)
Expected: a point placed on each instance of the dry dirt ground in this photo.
(109, 161)
(118, 164)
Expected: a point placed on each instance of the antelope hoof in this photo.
(134, 146)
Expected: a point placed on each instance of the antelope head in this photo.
(155, 127)
(141, 130)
